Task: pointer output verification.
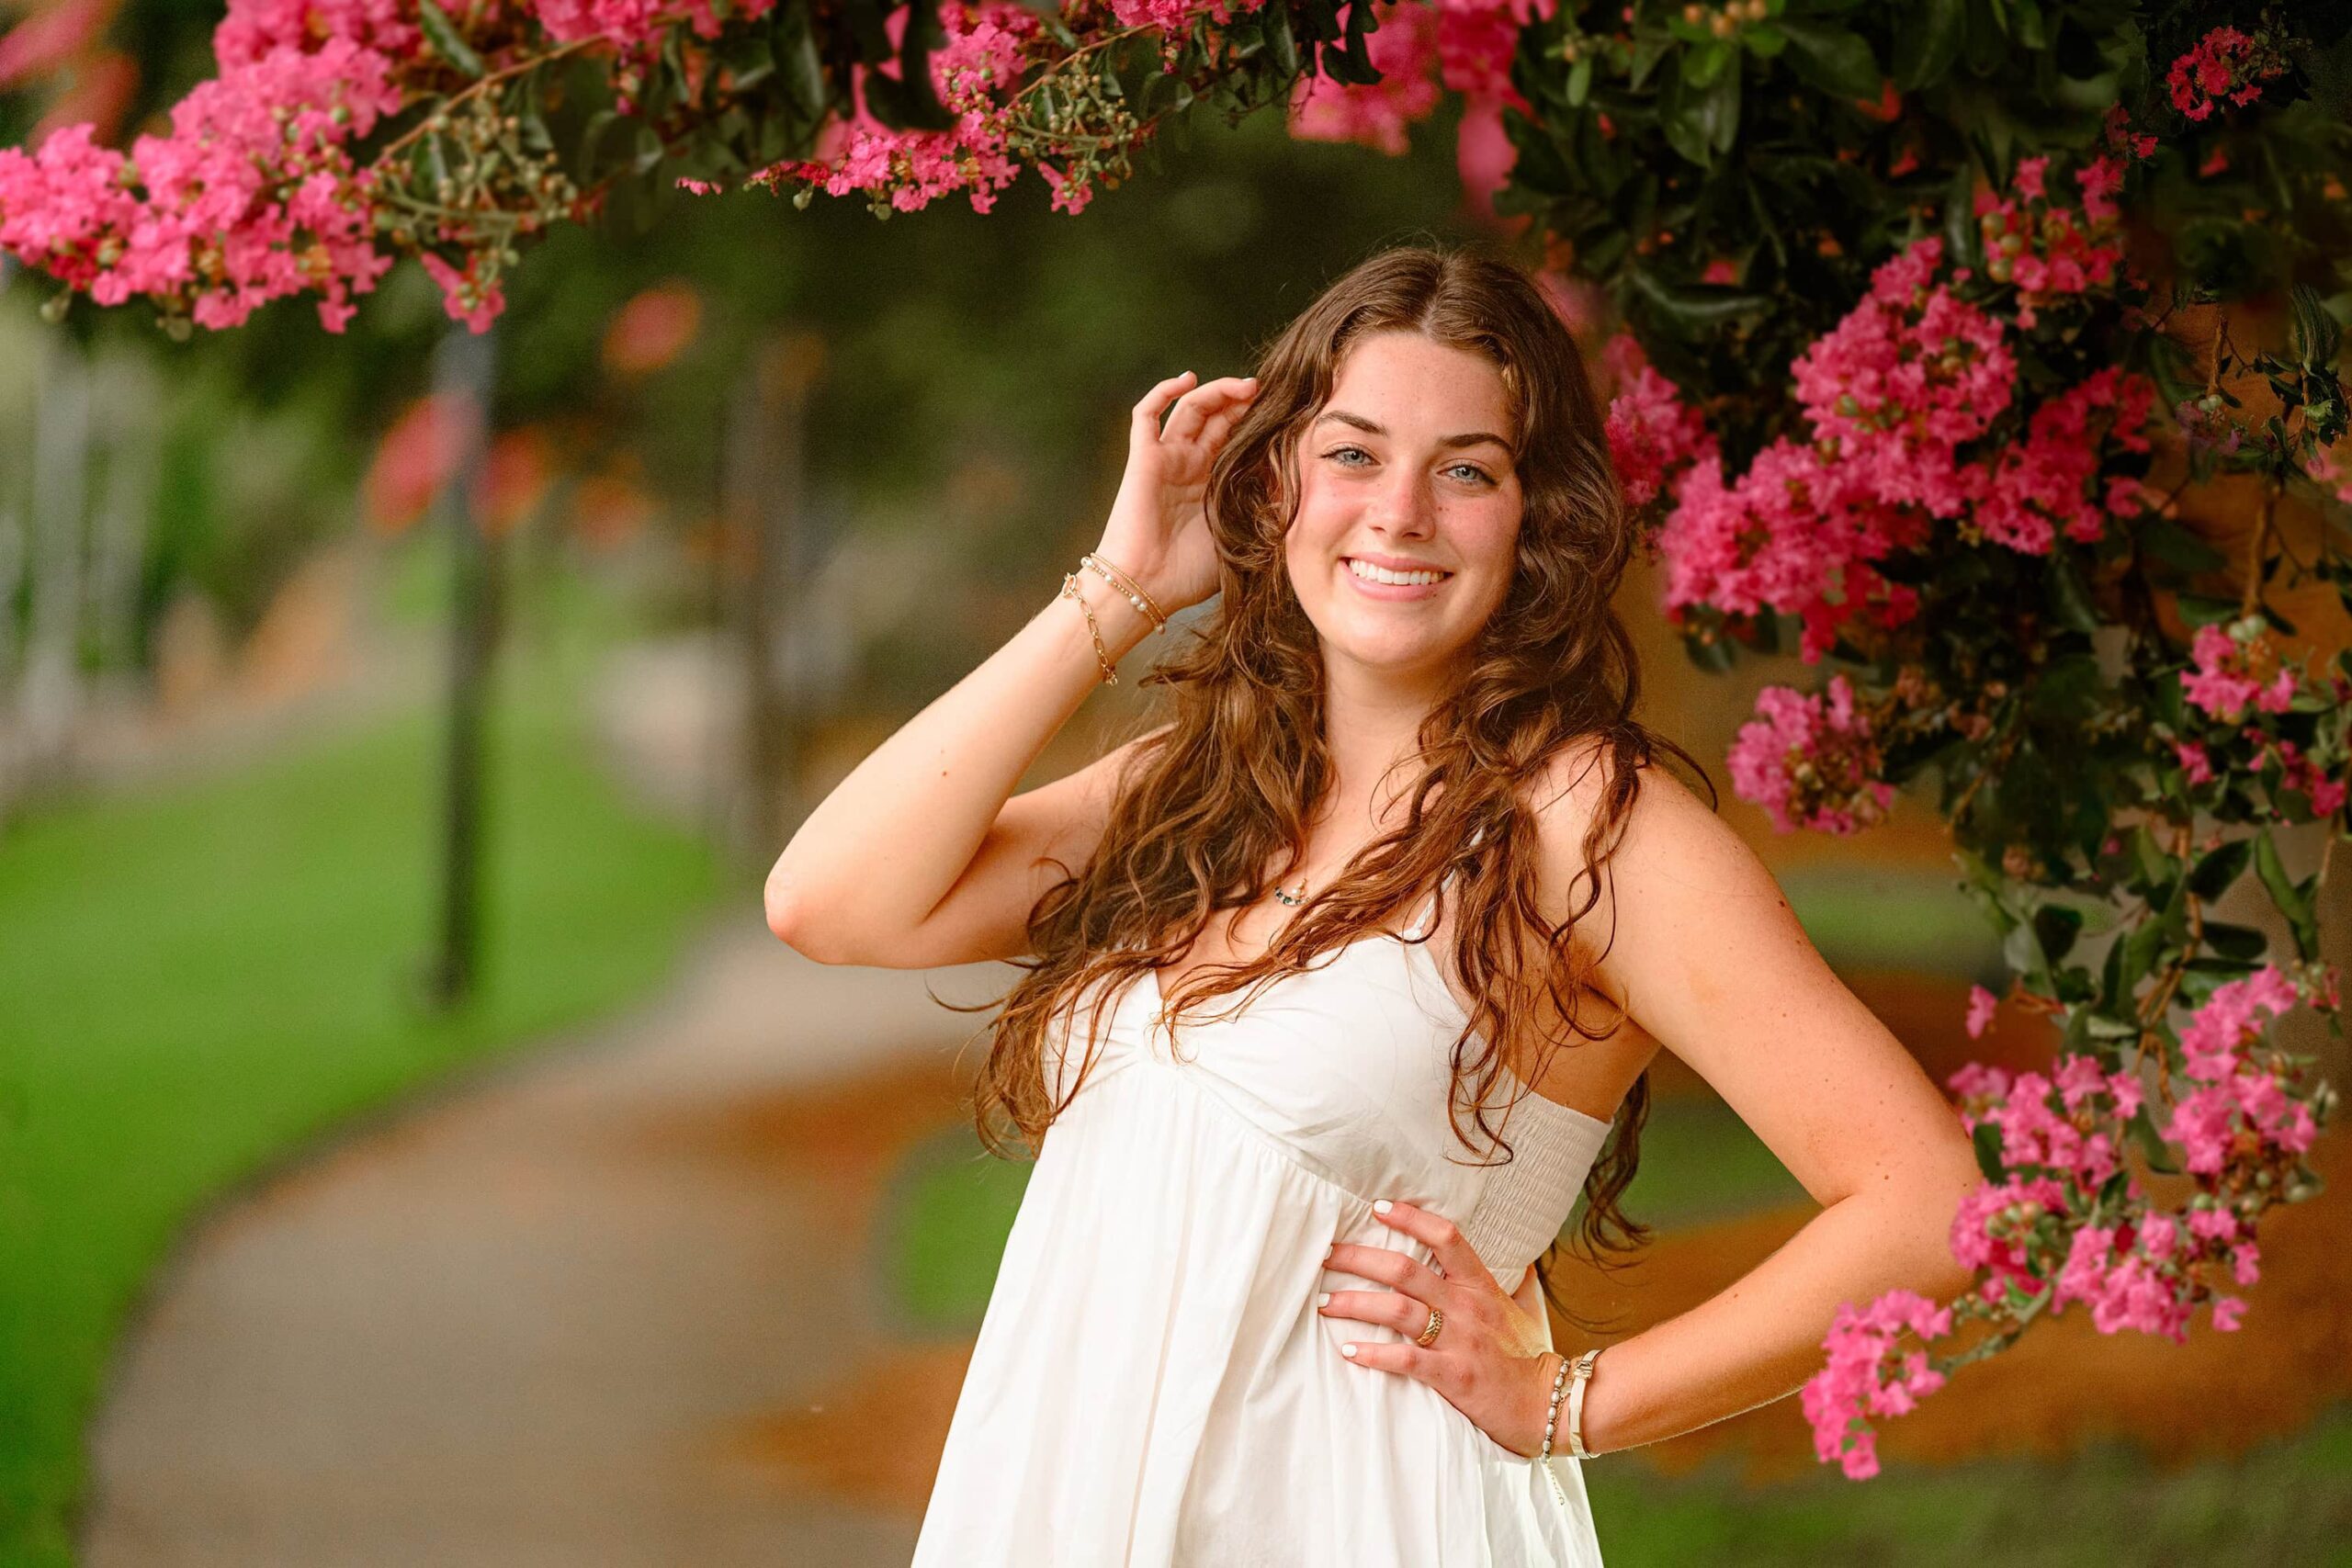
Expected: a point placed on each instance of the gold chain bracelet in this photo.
(1102, 654)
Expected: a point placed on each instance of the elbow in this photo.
(787, 919)
(1939, 1192)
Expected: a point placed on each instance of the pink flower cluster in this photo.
(2121, 141)
(2047, 250)
(2297, 771)
(2143, 1272)
(1654, 436)
(1870, 1373)
(2051, 481)
(252, 196)
(2063, 1126)
(1377, 114)
(1785, 535)
(2225, 65)
(1910, 375)
(1811, 761)
(1905, 397)
(2236, 666)
(2241, 1109)
(2328, 470)
(983, 58)
(1464, 45)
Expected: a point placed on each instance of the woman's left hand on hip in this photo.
(1489, 1359)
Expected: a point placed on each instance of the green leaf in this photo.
(1580, 81)
(2217, 870)
(1280, 42)
(2153, 1147)
(446, 41)
(2068, 596)
(1704, 62)
(2055, 927)
(2168, 541)
(2313, 333)
(1833, 59)
(2295, 901)
(1986, 1140)
(1692, 308)
(796, 56)
(1926, 42)
(2235, 941)
(2205, 609)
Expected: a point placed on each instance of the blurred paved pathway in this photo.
(544, 1317)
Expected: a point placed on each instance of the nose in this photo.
(1406, 505)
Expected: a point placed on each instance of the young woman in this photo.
(1270, 1297)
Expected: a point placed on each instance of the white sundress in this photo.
(1152, 1382)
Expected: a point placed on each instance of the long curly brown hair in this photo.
(1212, 811)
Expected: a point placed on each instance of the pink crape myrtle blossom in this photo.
(2236, 666)
(2006, 1231)
(1654, 436)
(2061, 1125)
(2297, 771)
(251, 195)
(1789, 534)
(1420, 46)
(2046, 248)
(2224, 66)
(2240, 1108)
(2050, 483)
(1911, 373)
(50, 38)
(1175, 17)
(1982, 1005)
(982, 57)
(2330, 471)
(1811, 761)
(1403, 50)
(1870, 1373)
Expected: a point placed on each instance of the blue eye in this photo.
(1338, 452)
(1473, 470)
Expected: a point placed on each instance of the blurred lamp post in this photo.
(464, 370)
(766, 547)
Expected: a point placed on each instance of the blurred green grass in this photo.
(2285, 1504)
(197, 979)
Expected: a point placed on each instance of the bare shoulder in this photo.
(1671, 864)
(1665, 822)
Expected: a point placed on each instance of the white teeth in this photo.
(1370, 573)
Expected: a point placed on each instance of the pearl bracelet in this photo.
(1552, 1420)
(1126, 585)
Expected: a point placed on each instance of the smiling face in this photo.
(1407, 466)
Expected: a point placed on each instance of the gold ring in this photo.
(1428, 1335)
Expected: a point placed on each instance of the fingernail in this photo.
(1329, 1250)
(1323, 1299)
(1348, 1350)
(1381, 1205)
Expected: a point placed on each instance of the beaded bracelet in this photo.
(1129, 586)
(1102, 654)
(1553, 1420)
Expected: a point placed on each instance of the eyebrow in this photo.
(1372, 427)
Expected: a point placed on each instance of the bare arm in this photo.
(918, 857)
(1709, 958)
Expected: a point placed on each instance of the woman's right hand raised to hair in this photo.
(1158, 530)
